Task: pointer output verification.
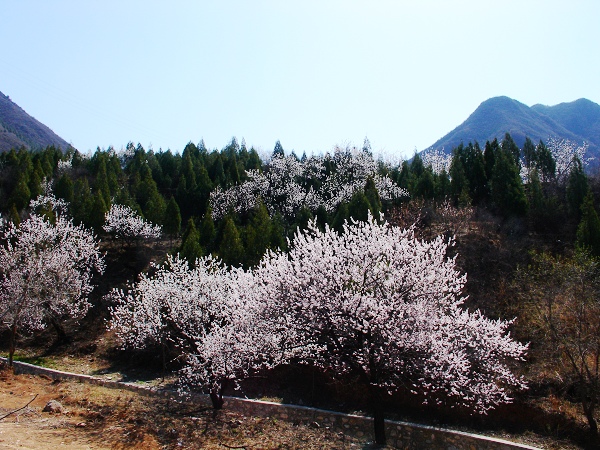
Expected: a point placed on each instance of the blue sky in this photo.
(312, 74)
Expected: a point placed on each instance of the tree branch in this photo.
(17, 410)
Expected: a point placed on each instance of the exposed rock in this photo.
(53, 407)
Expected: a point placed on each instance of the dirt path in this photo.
(99, 418)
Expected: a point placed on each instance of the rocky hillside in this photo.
(17, 128)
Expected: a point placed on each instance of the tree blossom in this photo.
(564, 153)
(438, 160)
(48, 202)
(46, 272)
(373, 302)
(377, 303)
(287, 184)
(210, 314)
(125, 223)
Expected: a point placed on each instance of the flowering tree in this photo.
(565, 153)
(124, 223)
(45, 273)
(373, 302)
(287, 184)
(438, 160)
(209, 313)
(377, 303)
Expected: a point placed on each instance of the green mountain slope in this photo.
(578, 121)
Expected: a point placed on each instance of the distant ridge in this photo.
(17, 129)
(578, 121)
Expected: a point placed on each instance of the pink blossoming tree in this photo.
(46, 273)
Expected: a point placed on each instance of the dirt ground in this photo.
(100, 418)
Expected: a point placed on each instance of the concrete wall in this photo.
(402, 435)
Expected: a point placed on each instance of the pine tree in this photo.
(64, 188)
(21, 194)
(231, 249)
(208, 232)
(359, 207)
(172, 220)
(190, 245)
(508, 194)
(577, 188)
(588, 231)
(373, 197)
(257, 235)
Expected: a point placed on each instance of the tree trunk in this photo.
(588, 410)
(61, 335)
(378, 416)
(12, 344)
(216, 397)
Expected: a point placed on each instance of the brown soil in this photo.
(100, 418)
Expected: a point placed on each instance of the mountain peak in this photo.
(577, 121)
(19, 129)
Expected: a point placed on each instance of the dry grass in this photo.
(96, 417)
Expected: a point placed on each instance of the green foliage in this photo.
(190, 244)
(231, 249)
(507, 193)
(577, 189)
(359, 207)
(373, 197)
(257, 235)
(208, 233)
(588, 231)
(172, 220)
(21, 194)
(64, 188)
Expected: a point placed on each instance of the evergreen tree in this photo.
(101, 185)
(231, 249)
(257, 235)
(83, 202)
(64, 188)
(588, 231)
(97, 214)
(529, 154)
(508, 194)
(509, 145)
(359, 207)
(35, 180)
(489, 157)
(21, 194)
(208, 233)
(190, 243)
(302, 218)
(172, 220)
(322, 217)
(442, 185)
(577, 188)
(545, 162)
(373, 197)
(474, 166)
(425, 186)
(278, 233)
(341, 216)
(278, 150)
(459, 184)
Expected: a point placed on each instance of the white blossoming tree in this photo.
(286, 184)
(210, 314)
(565, 152)
(46, 273)
(124, 223)
(376, 303)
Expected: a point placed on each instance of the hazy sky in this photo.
(311, 74)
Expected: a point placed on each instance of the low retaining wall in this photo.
(403, 435)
